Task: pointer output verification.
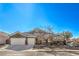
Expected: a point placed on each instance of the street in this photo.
(36, 53)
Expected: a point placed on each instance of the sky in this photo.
(26, 16)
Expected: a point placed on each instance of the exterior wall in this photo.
(17, 41)
(2, 41)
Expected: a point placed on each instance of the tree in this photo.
(67, 35)
(40, 35)
(49, 29)
(59, 39)
(50, 35)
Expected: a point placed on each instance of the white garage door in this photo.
(31, 41)
(18, 41)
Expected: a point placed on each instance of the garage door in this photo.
(31, 41)
(18, 41)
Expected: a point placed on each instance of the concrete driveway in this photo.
(19, 47)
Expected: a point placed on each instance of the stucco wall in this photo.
(2, 41)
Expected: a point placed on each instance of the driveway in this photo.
(19, 47)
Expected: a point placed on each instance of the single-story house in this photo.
(20, 39)
(35, 37)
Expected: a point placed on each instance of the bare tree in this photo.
(50, 35)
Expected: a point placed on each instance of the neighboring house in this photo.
(3, 37)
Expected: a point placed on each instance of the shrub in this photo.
(70, 44)
(76, 44)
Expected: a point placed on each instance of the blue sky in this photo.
(24, 17)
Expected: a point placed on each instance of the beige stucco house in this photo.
(34, 37)
(20, 39)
